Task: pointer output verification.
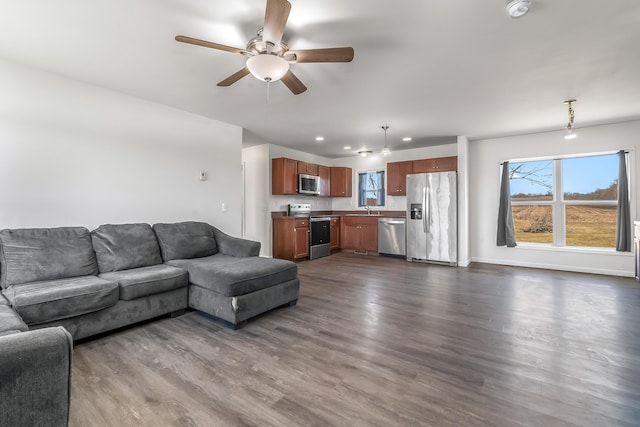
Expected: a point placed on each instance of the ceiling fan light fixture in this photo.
(267, 68)
(518, 8)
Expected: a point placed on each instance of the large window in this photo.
(566, 202)
(371, 188)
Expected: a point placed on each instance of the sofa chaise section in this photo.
(227, 278)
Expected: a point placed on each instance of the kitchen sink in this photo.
(364, 214)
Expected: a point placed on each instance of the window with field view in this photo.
(565, 202)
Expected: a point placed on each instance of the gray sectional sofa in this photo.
(117, 275)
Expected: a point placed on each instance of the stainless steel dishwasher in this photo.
(391, 236)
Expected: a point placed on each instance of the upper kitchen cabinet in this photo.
(439, 164)
(284, 176)
(324, 172)
(397, 177)
(308, 168)
(341, 184)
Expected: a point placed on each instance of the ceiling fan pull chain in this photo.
(268, 87)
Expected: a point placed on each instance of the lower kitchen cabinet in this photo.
(301, 238)
(290, 238)
(359, 233)
(335, 232)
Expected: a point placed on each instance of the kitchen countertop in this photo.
(359, 212)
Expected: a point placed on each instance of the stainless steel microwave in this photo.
(308, 184)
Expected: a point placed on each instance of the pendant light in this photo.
(385, 151)
(570, 133)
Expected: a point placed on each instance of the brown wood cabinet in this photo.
(335, 232)
(301, 238)
(290, 238)
(340, 185)
(397, 177)
(359, 233)
(439, 164)
(324, 172)
(284, 176)
(307, 168)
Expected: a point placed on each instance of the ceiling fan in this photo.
(269, 57)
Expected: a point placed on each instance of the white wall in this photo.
(485, 156)
(77, 154)
(464, 249)
(257, 193)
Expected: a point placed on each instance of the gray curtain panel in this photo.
(506, 230)
(623, 223)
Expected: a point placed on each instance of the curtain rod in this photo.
(568, 157)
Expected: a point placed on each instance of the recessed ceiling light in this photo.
(319, 138)
(347, 147)
(406, 139)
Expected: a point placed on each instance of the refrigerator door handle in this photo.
(424, 209)
(428, 209)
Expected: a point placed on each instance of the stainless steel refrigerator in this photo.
(432, 217)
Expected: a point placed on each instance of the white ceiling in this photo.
(430, 69)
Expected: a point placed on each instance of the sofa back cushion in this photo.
(185, 240)
(125, 246)
(35, 254)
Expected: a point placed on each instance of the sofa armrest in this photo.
(35, 377)
(235, 246)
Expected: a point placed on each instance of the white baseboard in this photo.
(464, 263)
(546, 266)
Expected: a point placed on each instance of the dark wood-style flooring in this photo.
(379, 341)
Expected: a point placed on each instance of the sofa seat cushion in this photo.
(233, 276)
(51, 300)
(145, 281)
(38, 254)
(184, 240)
(10, 322)
(125, 246)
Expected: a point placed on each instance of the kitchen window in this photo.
(565, 202)
(371, 188)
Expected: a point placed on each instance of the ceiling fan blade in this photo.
(275, 19)
(293, 83)
(191, 40)
(333, 54)
(234, 77)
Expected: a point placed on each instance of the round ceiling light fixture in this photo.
(365, 153)
(517, 8)
(267, 67)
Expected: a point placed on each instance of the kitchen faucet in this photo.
(368, 208)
